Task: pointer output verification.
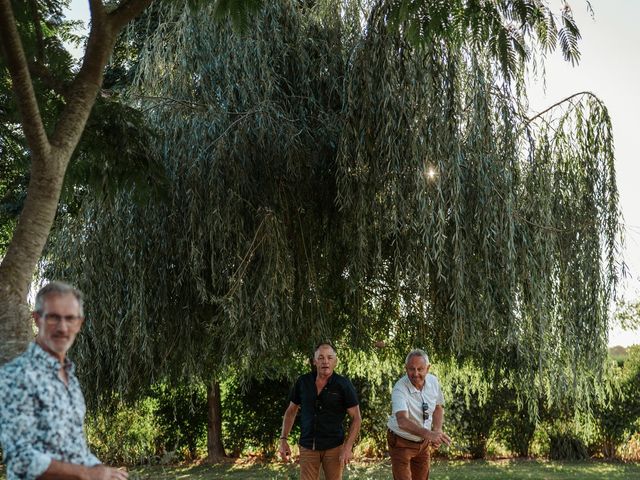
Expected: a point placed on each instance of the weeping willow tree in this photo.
(495, 234)
(330, 177)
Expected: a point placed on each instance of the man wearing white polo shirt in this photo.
(416, 419)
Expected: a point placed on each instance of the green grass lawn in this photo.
(442, 470)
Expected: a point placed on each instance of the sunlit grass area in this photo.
(534, 469)
(379, 470)
(445, 470)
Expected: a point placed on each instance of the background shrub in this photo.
(171, 422)
(182, 420)
(617, 415)
(125, 434)
(470, 423)
(375, 408)
(567, 446)
(513, 425)
(252, 414)
(630, 450)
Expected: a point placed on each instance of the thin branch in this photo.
(22, 84)
(169, 100)
(570, 97)
(549, 228)
(232, 124)
(238, 275)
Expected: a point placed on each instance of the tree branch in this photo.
(105, 28)
(126, 11)
(97, 11)
(570, 97)
(22, 85)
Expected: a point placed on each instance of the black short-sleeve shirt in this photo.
(322, 416)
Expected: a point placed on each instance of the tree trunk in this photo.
(15, 327)
(29, 238)
(215, 447)
(609, 449)
(49, 156)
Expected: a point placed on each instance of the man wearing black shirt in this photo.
(324, 397)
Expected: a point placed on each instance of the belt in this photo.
(405, 439)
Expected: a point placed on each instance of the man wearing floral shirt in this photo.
(42, 409)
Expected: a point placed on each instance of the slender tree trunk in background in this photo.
(609, 448)
(215, 447)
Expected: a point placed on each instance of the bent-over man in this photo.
(42, 409)
(416, 419)
(324, 398)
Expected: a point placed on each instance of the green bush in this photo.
(375, 407)
(252, 414)
(470, 423)
(539, 446)
(182, 418)
(617, 415)
(514, 427)
(125, 433)
(566, 446)
(172, 421)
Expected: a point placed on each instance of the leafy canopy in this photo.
(330, 178)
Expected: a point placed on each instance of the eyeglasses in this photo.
(55, 319)
(425, 411)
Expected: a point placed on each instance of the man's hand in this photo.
(284, 450)
(345, 455)
(287, 423)
(437, 437)
(101, 472)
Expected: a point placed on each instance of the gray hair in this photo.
(417, 352)
(324, 344)
(57, 288)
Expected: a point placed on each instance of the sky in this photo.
(610, 68)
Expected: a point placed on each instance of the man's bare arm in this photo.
(68, 471)
(356, 420)
(430, 435)
(438, 418)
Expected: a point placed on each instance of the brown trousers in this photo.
(409, 460)
(310, 461)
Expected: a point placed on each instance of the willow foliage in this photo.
(497, 234)
(329, 178)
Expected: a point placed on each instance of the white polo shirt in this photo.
(405, 397)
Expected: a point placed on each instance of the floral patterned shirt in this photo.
(41, 418)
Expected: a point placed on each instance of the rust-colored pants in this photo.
(310, 461)
(409, 460)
